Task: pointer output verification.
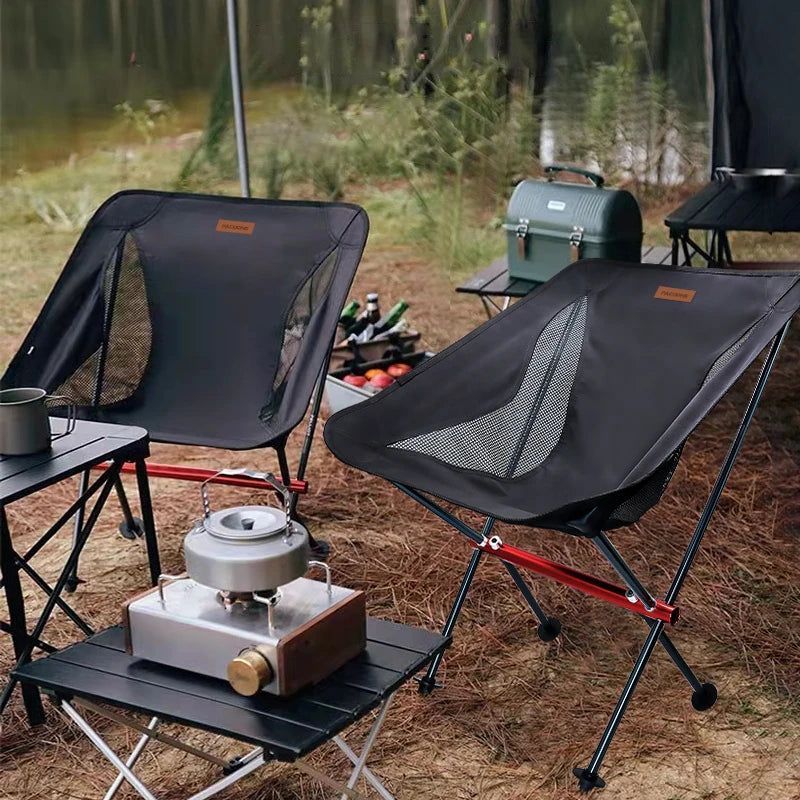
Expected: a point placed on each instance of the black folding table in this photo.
(721, 207)
(99, 671)
(91, 443)
(496, 288)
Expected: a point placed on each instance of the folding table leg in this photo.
(98, 742)
(107, 481)
(132, 759)
(17, 624)
(371, 736)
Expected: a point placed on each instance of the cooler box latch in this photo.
(522, 233)
(575, 239)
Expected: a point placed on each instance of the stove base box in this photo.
(313, 634)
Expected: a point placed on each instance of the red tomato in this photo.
(355, 380)
(381, 381)
(396, 370)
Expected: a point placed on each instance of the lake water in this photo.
(67, 63)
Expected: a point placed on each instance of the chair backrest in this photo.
(755, 65)
(579, 396)
(206, 320)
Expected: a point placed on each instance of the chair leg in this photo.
(131, 527)
(148, 521)
(588, 777)
(704, 695)
(549, 627)
(428, 683)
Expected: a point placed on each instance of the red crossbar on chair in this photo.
(588, 584)
(199, 475)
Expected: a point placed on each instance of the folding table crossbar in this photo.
(97, 674)
(569, 411)
(23, 476)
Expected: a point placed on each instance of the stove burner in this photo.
(248, 601)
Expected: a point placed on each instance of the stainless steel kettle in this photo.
(247, 548)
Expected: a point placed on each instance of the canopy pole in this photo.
(236, 91)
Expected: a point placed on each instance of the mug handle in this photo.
(72, 414)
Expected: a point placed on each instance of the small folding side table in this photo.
(495, 288)
(100, 676)
(91, 443)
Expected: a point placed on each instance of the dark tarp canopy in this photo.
(756, 74)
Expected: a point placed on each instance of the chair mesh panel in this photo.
(312, 293)
(720, 363)
(518, 436)
(646, 496)
(120, 361)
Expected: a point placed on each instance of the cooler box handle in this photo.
(593, 177)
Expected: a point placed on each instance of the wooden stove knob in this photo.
(249, 672)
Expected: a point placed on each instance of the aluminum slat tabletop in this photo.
(287, 728)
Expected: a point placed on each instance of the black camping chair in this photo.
(206, 320)
(569, 411)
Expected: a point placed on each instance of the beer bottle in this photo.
(348, 317)
(389, 320)
(369, 316)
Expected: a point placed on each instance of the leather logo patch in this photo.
(233, 226)
(671, 293)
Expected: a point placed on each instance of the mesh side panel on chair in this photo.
(648, 494)
(313, 291)
(519, 435)
(120, 361)
(720, 363)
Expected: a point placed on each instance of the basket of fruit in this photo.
(349, 385)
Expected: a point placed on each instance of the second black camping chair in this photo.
(206, 320)
(569, 411)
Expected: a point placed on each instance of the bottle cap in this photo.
(372, 297)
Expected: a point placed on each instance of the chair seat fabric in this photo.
(206, 320)
(576, 399)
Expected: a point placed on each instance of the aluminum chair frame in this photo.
(633, 596)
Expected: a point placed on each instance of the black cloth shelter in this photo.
(569, 411)
(755, 116)
(755, 64)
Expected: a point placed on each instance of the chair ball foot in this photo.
(588, 780)
(704, 697)
(426, 685)
(548, 631)
(132, 532)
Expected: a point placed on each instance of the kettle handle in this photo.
(267, 477)
(597, 180)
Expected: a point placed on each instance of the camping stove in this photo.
(243, 611)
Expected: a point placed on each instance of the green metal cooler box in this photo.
(551, 223)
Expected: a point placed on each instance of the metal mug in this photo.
(25, 423)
